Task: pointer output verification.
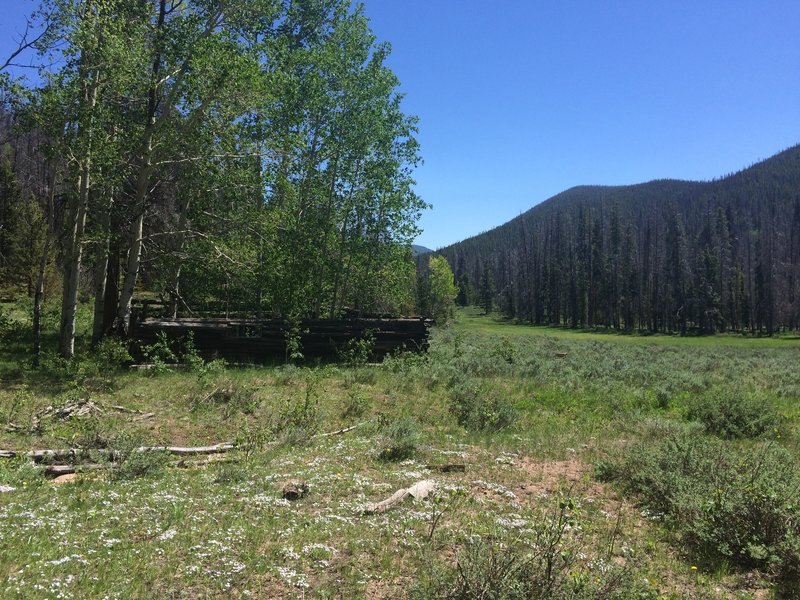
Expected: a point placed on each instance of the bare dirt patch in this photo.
(543, 478)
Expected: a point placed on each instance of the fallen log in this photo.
(59, 470)
(190, 451)
(72, 454)
(338, 432)
(77, 453)
(37, 456)
(143, 417)
(418, 491)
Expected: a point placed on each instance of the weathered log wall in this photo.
(265, 340)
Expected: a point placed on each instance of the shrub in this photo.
(551, 566)
(19, 403)
(399, 439)
(356, 405)
(191, 356)
(13, 329)
(299, 420)
(160, 353)
(733, 414)
(112, 353)
(480, 408)
(231, 396)
(357, 351)
(131, 462)
(729, 504)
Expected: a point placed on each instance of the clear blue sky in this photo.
(522, 99)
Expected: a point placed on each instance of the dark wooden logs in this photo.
(263, 340)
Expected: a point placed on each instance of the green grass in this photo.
(219, 528)
(473, 319)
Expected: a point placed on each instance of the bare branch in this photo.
(24, 44)
(208, 157)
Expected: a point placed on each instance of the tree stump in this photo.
(295, 489)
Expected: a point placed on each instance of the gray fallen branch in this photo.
(418, 491)
(38, 456)
(131, 411)
(72, 454)
(58, 470)
(143, 417)
(190, 451)
(339, 432)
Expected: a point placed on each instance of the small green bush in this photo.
(112, 353)
(355, 405)
(550, 566)
(480, 408)
(730, 504)
(230, 396)
(131, 462)
(400, 438)
(13, 330)
(734, 414)
(357, 351)
(298, 420)
(160, 353)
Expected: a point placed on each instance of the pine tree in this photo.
(487, 290)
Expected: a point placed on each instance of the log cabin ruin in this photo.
(258, 340)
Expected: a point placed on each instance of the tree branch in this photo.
(23, 45)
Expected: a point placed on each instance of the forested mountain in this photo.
(660, 256)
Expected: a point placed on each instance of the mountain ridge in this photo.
(790, 151)
(673, 254)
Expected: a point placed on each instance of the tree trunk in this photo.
(101, 275)
(72, 268)
(134, 260)
(38, 296)
(77, 223)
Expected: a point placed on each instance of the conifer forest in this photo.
(664, 256)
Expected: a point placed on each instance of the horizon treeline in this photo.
(665, 256)
(251, 154)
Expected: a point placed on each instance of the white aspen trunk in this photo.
(175, 291)
(101, 275)
(72, 268)
(38, 297)
(77, 216)
(134, 260)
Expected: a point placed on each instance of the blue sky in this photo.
(521, 99)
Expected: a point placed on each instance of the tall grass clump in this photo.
(132, 461)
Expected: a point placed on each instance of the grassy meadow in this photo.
(567, 465)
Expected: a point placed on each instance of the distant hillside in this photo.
(666, 255)
(417, 250)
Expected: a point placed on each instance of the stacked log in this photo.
(265, 340)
